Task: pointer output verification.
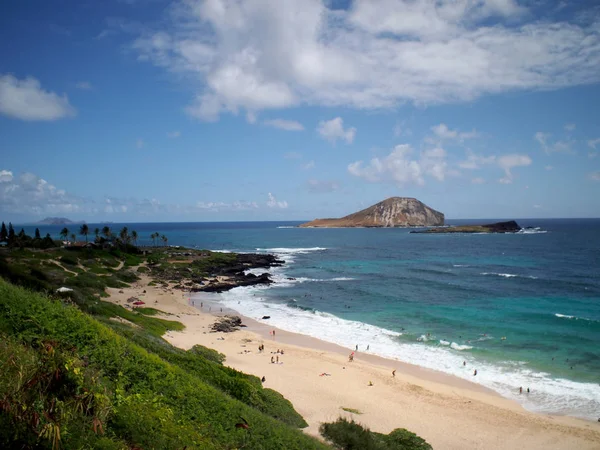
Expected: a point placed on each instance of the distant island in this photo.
(500, 227)
(392, 212)
(58, 221)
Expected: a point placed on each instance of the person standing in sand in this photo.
(394, 373)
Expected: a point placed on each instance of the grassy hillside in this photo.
(71, 381)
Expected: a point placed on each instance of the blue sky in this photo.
(208, 110)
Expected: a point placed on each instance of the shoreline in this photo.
(447, 411)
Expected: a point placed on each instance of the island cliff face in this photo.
(393, 212)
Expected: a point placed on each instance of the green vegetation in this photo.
(351, 410)
(74, 377)
(349, 435)
(90, 386)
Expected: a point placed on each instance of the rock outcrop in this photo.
(227, 324)
(393, 212)
(500, 227)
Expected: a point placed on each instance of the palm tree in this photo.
(84, 231)
(64, 233)
(106, 232)
(73, 237)
(97, 233)
(134, 236)
(164, 239)
(124, 235)
(154, 236)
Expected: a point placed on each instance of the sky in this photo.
(219, 110)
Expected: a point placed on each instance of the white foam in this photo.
(461, 265)
(459, 347)
(564, 316)
(536, 230)
(286, 250)
(221, 251)
(287, 227)
(548, 395)
(509, 275)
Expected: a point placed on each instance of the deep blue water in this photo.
(524, 309)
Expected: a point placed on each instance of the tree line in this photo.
(101, 236)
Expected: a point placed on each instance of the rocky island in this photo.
(500, 227)
(392, 212)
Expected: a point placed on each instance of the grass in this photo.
(151, 395)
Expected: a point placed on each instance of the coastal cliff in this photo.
(392, 212)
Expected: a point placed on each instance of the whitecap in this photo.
(459, 347)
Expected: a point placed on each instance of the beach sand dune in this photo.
(450, 413)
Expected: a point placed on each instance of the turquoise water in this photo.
(523, 309)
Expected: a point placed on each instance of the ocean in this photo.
(523, 309)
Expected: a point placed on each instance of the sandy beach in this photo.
(449, 412)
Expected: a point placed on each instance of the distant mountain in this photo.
(393, 212)
(58, 221)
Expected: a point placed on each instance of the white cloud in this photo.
(257, 55)
(475, 161)
(174, 134)
(322, 186)
(553, 147)
(401, 129)
(548, 167)
(444, 133)
(333, 130)
(288, 125)
(508, 162)
(273, 203)
(595, 176)
(593, 143)
(309, 165)
(570, 127)
(592, 155)
(478, 180)
(251, 117)
(6, 176)
(84, 85)
(400, 168)
(26, 100)
(139, 143)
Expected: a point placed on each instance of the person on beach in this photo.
(278, 359)
(521, 390)
(528, 390)
(201, 304)
(370, 383)
(475, 372)
(464, 363)
(272, 360)
(394, 373)
(263, 379)
(356, 347)
(367, 347)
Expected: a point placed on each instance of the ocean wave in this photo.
(291, 251)
(535, 230)
(287, 226)
(221, 251)
(509, 275)
(461, 265)
(549, 395)
(564, 316)
(459, 347)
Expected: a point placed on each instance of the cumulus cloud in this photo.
(593, 143)
(273, 203)
(553, 147)
(442, 132)
(6, 176)
(26, 100)
(475, 161)
(322, 186)
(288, 125)
(508, 162)
(174, 134)
(333, 129)
(257, 55)
(399, 167)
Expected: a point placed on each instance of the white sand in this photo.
(450, 413)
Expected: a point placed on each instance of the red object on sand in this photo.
(139, 303)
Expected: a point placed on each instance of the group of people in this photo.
(521, 390)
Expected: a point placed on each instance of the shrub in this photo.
(349, 435)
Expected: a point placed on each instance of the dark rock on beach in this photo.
(227, 324)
